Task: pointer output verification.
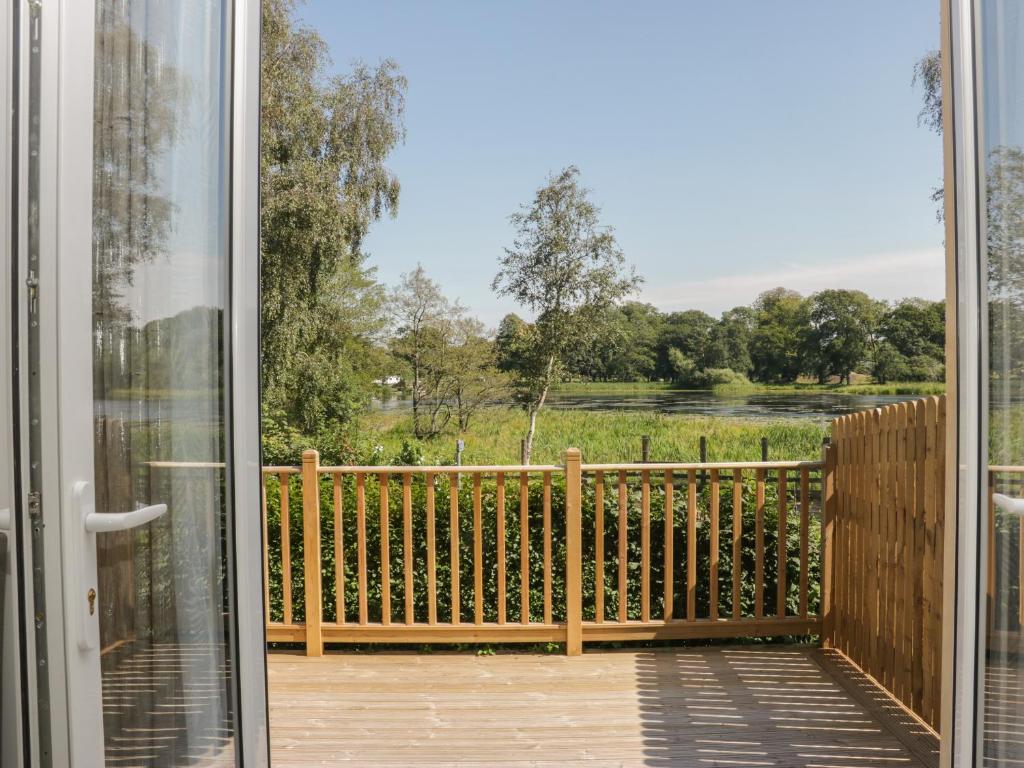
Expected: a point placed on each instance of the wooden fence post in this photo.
(828, 512)
(573, 553)
(311, 552)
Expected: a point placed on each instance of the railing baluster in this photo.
(759, 549)
(266, 548)
(783, 551)
(478, 552)
(599, 546)
(669, 547)
(385, 550)
(361, 545)
(524, 548)
(645, 546)
(547, 547)
(453, 529)
(737, 541)
(691, 545)
(573, 553)
(805, 503)
(286, 549)
(339, 553)
(431, 552)
(407, 555)
(500, 533)
(312, 570)
(713, 575)
(623, 550)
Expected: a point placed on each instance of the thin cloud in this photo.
(895, 275)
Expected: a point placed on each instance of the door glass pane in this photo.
(1002, 159)
(160, 282)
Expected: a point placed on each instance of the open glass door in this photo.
(142, 328)
(985, 99)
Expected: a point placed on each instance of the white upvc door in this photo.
(140, 349)
(984, 100)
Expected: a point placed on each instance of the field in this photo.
(606, 436)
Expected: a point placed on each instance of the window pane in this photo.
(160, 271)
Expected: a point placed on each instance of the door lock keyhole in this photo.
(91, 597)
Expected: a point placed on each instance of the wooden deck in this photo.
(792, 706)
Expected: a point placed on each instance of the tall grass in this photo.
(609, 436)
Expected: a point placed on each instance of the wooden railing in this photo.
(884, 557)
(559, 553)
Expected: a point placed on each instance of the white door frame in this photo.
(15, 735)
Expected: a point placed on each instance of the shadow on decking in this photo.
(771, 705)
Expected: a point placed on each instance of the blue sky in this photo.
(734, 146)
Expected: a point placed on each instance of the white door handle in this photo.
(5, 519)
(107, 522)
(83, 554)
(1009, 504)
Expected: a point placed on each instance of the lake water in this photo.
(820, 406)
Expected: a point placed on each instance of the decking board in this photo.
(771, 705)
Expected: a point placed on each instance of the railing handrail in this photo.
(490, 469)
(438, 469)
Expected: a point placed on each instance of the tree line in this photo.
(779, 338)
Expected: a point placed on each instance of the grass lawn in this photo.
(494, 435)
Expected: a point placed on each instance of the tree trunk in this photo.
(535, 409)
(417, 432)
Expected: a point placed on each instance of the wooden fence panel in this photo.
(883, 556)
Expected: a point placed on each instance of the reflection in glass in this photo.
(1002, 157)
(159, 294)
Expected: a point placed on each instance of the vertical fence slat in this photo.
(385, 549)
(453, 528)
(266, 548)
(524, 548)
(737, 541)
(759, 549)
(339, 552)
(599, 547)
(478, 551)
(573, 553)
(500, 533)
(782, 557)
(547, 548)
(623, 548)
(407, 554)
(691, 545)
(431, 551)
(312, 573)
(713, 560)
(361, 545)
(286, 549)
(669, 546)
(645, 546)
(805, 524)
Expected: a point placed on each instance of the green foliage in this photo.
(567, 269)
(605, 436)
(842, 327)
(778, 342)
(323, 182)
